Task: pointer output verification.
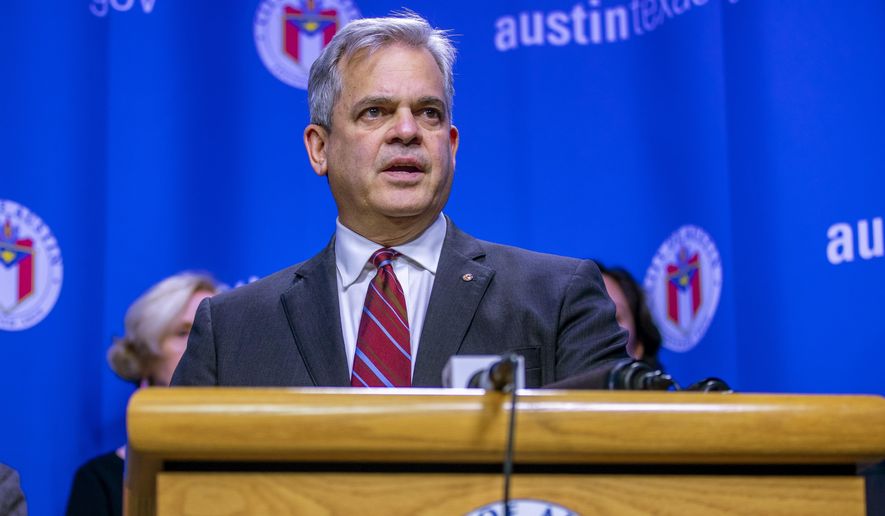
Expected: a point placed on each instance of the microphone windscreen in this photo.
(461, 369)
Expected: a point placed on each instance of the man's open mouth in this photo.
(404, 164)
(403, 168)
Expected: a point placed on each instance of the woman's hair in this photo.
(150, 319)
(646, 331)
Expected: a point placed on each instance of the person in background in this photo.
(157, 327)
(633, 314)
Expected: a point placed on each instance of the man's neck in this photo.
(393, 231)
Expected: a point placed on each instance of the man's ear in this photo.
(315, 139)
(454, 138)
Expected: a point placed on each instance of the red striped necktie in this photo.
(383, 355)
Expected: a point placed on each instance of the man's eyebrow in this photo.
(431, 101)
(371, 101)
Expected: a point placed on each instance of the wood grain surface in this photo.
(459, 426)
(445, 495)
(456, 428)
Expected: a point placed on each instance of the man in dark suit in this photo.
(399, 289)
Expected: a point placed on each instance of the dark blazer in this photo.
(285, 329)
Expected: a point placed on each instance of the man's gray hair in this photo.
(371, 35)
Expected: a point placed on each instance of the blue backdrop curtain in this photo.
(152, 137)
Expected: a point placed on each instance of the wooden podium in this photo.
(438, 452)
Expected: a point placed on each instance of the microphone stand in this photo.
(508, 453)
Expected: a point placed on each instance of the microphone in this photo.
(711, 384)
(633, 375)
(494, 373)
(499, 376)
(491, 372)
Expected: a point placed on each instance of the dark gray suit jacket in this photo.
(12, 500)
(285, 330)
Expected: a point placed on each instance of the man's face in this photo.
(390, 153)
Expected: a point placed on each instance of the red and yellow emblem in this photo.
(18, 253)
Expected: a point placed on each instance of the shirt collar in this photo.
(352, 250)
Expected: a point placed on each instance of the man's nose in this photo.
(405, 128)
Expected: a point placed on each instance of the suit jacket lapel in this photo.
(311, 306)
(460, 283)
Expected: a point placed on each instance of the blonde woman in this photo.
(157, 327)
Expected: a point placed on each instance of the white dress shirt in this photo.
(415, 269)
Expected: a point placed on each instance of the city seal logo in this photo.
(30, 268)
(683, 285)
(290, 34)
(523, 507)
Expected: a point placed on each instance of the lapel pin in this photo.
(467, 277)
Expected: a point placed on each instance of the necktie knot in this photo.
(383, 257)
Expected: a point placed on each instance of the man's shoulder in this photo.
(268, 286)
(12, 499)
(265, 290)
(503, 257)
(502, 251)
